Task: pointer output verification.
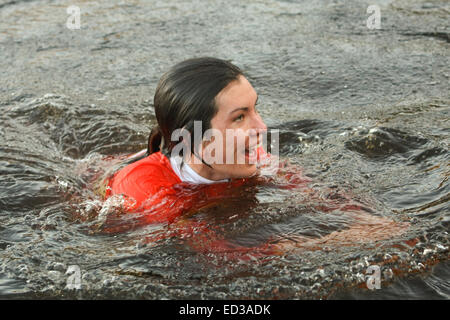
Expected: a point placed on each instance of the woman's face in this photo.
(240, 127)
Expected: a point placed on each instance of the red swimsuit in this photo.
(154, 192)
(151, 188)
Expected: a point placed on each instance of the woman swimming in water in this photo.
(184, 169)
(215, 94)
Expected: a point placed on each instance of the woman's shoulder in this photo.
(143, 178)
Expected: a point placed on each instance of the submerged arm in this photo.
(364, 227)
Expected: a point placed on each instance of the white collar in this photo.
(187, 174)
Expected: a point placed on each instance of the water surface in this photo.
(363, 112)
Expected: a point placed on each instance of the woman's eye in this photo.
(241, 117)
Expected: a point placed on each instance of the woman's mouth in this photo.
(251, 154)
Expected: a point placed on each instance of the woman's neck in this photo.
(203, 170)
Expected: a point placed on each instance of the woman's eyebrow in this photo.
(243, 108)
(239, 109)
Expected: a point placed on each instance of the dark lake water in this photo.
(365, 112)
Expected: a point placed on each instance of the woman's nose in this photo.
(258, 124)
(257, 127)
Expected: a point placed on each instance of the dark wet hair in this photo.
(186, 93)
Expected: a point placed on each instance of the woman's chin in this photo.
(234, 171)
(245, 171)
